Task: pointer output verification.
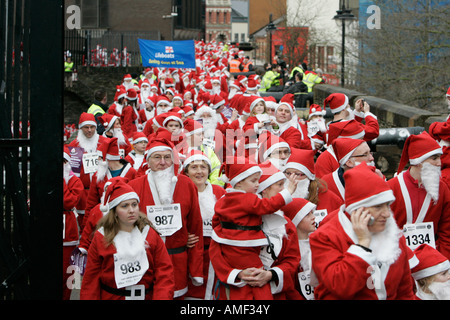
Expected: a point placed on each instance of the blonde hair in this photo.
(110, 224)
(425, 282)
(316, 186)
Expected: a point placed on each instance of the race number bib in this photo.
(90, 162)
(207, 227)
(419, 233)
(128, 272)
(319, 216)
(304, 279)
(166, 218)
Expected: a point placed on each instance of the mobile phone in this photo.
(371, 221)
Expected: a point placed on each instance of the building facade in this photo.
(218, 20)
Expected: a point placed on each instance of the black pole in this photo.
(343, 54)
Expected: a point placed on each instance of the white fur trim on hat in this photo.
(300, 167)
(270, 181)
(140, 139)
(85, 123)
(218, 104)
(303, 212)
(277, 145)
(382, 197)
(342, 107)
(197, 157)
(420, 159)
(126, 196)
(155, 149)
(443, 266)
(359, 135)
(346, 157)
(241, 176)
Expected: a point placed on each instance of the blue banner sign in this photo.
(167, 54)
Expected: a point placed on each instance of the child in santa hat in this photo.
(237, 232)
(432, 274)
(127, 259)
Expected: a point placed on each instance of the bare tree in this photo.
(407, 58)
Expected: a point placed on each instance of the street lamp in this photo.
(343, 15)
(270, 27)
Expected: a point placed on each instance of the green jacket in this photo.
(269, 80)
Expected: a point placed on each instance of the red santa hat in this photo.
(302, 160)
(448, 92)
(270, 175)
(194, 155)
(109, 149)
(86, 119)
(344, 148)
(145, 82)
(216, 101)
(239, 169)
(316, 110)
(116, 190)
(107, 120)
(188, 111)
(127, 77)
(132, 94)
(297, 209)
(191, 127)
(336, 101)
(252, 84)
(417, 148)
(345, 129)
(121, 92)
(287, 100)
(173, 116)
(162, 99)
(159, 119)
(364, 188)
(169, 83)
(431, 262)
(139, 137)
(268, 143)
(178, 96)
(241, 78)
(148, 71)
(66, 153)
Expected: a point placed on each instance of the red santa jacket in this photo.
(406, 211)
(85, 177)
(129, 120)
(326, 163)
(187, 261)
(100, 270)
(72, 191)
(343, 269)
(335, 185)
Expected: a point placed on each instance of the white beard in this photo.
(145, 93)
(129, 244)
(89, 145)
(278, 163)
(441, 290)
(160, 110)
(216, 90)
(370, 164)
(209, 125)
(117, 133)
(67, 170)
(102, 169)
(385, 244)
(431, 175)
(163, 183)
(232, 93)
(302, 190)
(119, 107)
(207, 201)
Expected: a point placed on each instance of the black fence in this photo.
(101, 48)
(31, 126)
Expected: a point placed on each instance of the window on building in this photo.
(94, 13)
(236, 37)
(242, 37)
(331, 65)
(321, 57)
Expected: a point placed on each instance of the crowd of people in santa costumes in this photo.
(199, 188)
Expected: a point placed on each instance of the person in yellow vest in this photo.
(99, 107)
(297, 69)
(235, 65)
(312, 78)
(271, 78)
(68, 71)
(247, 64)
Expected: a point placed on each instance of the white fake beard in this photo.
(370, 164)
(160, 110)
(117, 133)
(302, 190)
(431, 175)
(209, 125)
(67, 169)
(278, 163)
(385, 244)
(88, 144)
(207, 201)
(441, 290)
(163, 182)
(186, 82)
(129, 244)
(215, 90)
(145, 92)
(321, 123)
(232, 93)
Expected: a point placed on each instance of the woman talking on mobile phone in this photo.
(360, 253)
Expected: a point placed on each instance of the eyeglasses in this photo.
(367, 154)
(281, 152)
(158, 158)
